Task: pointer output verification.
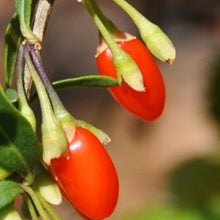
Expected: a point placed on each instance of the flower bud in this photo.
(155, 39)
(47, 187)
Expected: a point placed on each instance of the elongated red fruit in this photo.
(88, 177)
(147, 105)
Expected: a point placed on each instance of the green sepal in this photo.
(155, 39)
(9, 190)
(17, 139)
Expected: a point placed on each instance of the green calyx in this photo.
(155, 39)
(128, 71)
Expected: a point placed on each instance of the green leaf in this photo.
(24, 10)
(17, 139)
(9, 190)
(86, 81)
(13, 39)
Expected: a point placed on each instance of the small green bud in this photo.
(9, 213)
(155, 39)
(47, 187)
(11, 94)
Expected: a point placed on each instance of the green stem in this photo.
(108, 23)
(130, 10)
(36, 202)
(30, 208)
(49, 209)
(116, 50)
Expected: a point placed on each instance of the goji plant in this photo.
(69, 157)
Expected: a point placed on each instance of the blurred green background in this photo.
(168, 169)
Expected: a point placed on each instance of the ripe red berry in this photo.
(147, 105)
(88, 177)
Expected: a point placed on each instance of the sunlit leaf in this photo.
(17, 139)
(13, 39)
(9, 190)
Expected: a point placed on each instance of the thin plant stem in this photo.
(130, 10)
(108, 23)
(103, 30)
(30, 207)
(49, 209)
(36, 202)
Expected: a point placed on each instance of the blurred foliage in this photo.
(196, 182)
(165, 212)
(195, 190)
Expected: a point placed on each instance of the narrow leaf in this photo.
(86, 81)
(17, 139)
(9, 190)
(24, 9)
(13, 39)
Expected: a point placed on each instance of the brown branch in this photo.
(41, 18)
